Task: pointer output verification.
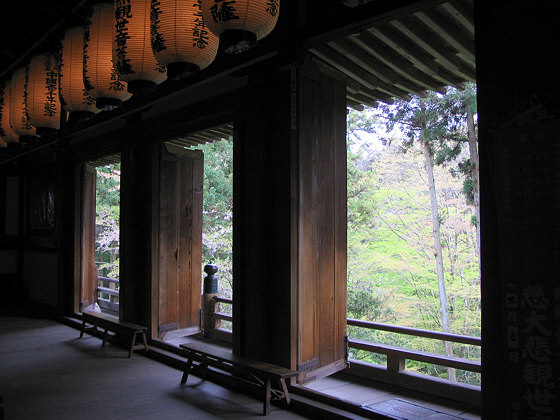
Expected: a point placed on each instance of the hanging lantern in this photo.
(19, 117)
(43, 103)
(132, 50)
(240, 23)
(6, 131)
(180, 38)
(73, 95)
(100, 79)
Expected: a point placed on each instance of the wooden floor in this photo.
(392, 401)
(47, 372)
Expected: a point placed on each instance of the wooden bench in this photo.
(260, 373)
(109, 323)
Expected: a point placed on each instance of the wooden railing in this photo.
(397, 356)
(107, 293)
(213, 326)
(395, 371)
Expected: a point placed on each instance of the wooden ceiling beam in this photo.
(374, 66)
(462, 14)
(324, 23)
(354, 104)
(449, 33)
(362, 99)
(428, 43)
(356, 72)
(394, 61)
(412, 53)
(361, 57)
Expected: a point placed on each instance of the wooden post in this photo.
(209, 305)
(395, 362)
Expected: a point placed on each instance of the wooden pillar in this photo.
(520, 198)
(290, 223)
(262, 307)
(135, 233)
(68, 225)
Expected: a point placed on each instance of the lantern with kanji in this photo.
(6, 132)
(132, 49)
(43, 102)
(240, 23)
(73, 95)
(19, 117)
(180, 38)
(100, 78)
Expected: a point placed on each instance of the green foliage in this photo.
(390, 248)
(107, 220)
(217, 238)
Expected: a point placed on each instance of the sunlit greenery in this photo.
(107, 220)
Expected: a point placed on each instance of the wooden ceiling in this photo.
(427, 47)
(425, 50)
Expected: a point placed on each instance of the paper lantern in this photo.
(240, 23)
(19, 117)
(73, 94)
(6, 131)
(180, 38)
(132, 47)
(100, 78)
(43, 102)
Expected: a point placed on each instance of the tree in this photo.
(390, 241)
(461, 104)
(424, 120)
(107, 219)
(217, 238)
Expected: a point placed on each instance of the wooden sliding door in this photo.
(177, 237)
(88, 276)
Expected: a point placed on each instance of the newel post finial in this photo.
(209, 305)
(210, 281)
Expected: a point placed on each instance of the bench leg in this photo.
(285, 390)
(204, 366)
(83, 328)
(145, 341)
(104, 338)
(187, 370)
(266, 401)
(132, 344)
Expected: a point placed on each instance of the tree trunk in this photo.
(445, 324)
(473, 151)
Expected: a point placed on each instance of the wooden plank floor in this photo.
(46, 372)
(362, 392)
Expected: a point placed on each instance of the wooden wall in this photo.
(290, 223)
(262, 309)
(517, 65)
(9, 200)
(321, 224)
(137, 166)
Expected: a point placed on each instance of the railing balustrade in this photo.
(107, 293)
(397, 356)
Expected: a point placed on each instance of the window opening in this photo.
(107, 234)
(217, 230)
(100, 232)
(411, 263)
(216, 143)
